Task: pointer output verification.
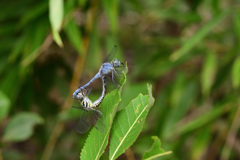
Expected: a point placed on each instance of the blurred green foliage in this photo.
(188, 50)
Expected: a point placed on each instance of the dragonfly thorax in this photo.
(106, 68)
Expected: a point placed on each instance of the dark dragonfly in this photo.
(109, 66)
(90, 109)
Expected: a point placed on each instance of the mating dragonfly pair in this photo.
(110, 67)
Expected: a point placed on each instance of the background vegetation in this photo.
(188, 50)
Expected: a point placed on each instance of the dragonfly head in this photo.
(116, 63)
(79, 96)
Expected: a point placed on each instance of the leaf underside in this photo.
(20, 127)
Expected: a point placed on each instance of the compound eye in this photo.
(115, 61)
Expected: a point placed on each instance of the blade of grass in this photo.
(196, 38)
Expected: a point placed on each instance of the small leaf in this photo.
(57, 37)
(130, 92)
(128, 124)
(156, 150)
(56, 13)
(56, 18)
(20, 127)
(151, 100)
(4, 105)
(208, 73)
(236, 73)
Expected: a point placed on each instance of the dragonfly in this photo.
(90, 109)
(109, 66)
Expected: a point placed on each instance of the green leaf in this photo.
(208, 73)
(74, 35)
(196, 38)
(4, 105)
(183, 105)
(128, 124)
(20, 127)
(201, 142)
(237, 25)
(156, 150)
(34, 42)
(9, 85)
(100, 140)
(57, 37)
(236, 73)
(16, 50)
(56, 19)
(131, 91)
(3, 64)
(111, 8)
(204, 118)
(56, 13)
(33, 13)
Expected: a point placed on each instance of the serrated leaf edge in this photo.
(108, 132)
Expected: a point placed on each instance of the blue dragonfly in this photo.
(90, 109)
(109, 66)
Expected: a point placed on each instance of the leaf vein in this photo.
(128, 132)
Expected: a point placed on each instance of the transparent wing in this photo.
(84, 123)
(99, 121)
(111, 55)
(114, 80)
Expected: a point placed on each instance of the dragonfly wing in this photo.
(99, 121)
(114, 80)
(84, 123)
(111, 55)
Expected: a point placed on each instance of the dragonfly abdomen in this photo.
(99, 100)
(86, 85)
(87, 103)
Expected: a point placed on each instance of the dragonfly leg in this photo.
(115, 70)
(121, 66)
(113, 81)
(91, 108)
(88, 91)
(76, 107)
(85, 91)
